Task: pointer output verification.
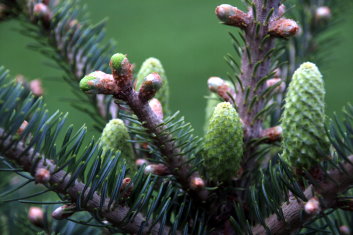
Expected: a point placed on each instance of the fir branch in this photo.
(60, 183)
(337, 181)
(120, 85)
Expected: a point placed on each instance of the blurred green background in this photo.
(186, 36)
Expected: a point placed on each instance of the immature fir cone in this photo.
(153, 65)
(304, 139)
(114, 137)
(223, 143)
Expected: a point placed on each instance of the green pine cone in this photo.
(304, 139)
(153, 65)
(114, 137)
(223, 143)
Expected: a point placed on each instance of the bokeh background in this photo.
(186, 36)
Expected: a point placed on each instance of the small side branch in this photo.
(58, 183)
(293, 210)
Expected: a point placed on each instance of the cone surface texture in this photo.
(115, 137)
(304, 138)
(223, 143)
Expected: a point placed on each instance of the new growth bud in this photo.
(223, 143)
(323, 13)
(121, 70)
(196, 183)
(156, 107)
(42, 176)
(312, 207)
(153, 65)
(222, 88)
(283, 28)
(157, 169)
(64, 212)
(36, 216)
(151, 84)
(230, 15)
(36, 87)
(42, 11)
(98, 83)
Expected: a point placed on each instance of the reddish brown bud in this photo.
(323, 13)
(121, 70)
(125, 184)
(141, 161)
(220, 87)
(196, 183)
(312, 207)
(22, 127)
(156, 107)
(272, 134)
(230, 15)
(99, 83)
(151, 84)
(283, 28)
(274, 81)
(36, 87)
(36, 216)
(126, 181)
(157, 169)
(42, 176)
(64, 212)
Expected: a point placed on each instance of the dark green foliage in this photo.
(100, 174)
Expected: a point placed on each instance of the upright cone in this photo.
(114, 137)
(304, 140)
(153, 65)
(223, 143)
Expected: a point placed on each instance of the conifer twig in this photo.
(58, 182)
(338, 181)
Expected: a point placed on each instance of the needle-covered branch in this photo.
(338, 181)
(59, 181)
(120, 85)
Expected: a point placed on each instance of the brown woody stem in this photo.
(293, 213)
(58, 183)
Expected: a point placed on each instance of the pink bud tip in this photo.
(156, 107)
(323, 13)
(36, 87)
(36, 216)
(141, 161)
(22, 127)
(197, 183)
(312, 207)
(42, 176)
